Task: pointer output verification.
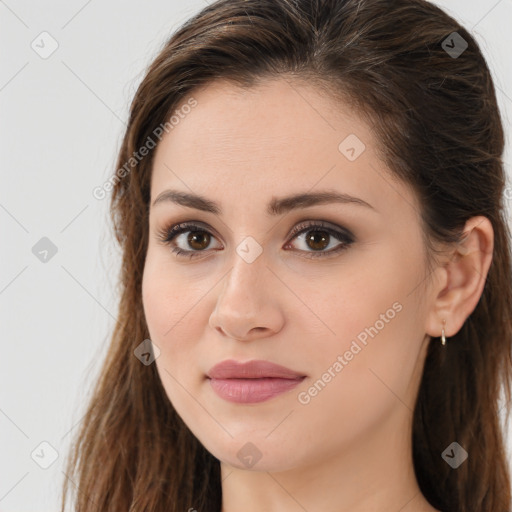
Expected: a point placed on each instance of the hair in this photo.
(439, 130)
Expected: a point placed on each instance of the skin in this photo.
(349, 448)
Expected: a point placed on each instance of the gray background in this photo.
(62, 122)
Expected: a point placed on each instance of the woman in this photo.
(315, 302)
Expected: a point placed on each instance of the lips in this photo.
(231, 369)
(251, 382)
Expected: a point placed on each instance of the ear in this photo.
(461, 279)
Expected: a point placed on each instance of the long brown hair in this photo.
(436, 117)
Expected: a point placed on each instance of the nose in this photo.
(248, 306)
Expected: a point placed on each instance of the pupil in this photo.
(321, 239)
(195, 238)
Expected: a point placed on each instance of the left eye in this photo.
(316, 236)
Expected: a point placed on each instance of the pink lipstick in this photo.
(252, 382)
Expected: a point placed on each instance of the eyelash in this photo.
(167, 235)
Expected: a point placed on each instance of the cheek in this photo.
(159, 301)
(166, 297)
(172, 325)
(374, 324)
(362, 375)
(165, 309)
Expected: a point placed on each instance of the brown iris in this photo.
(201, 238)
(318, 240)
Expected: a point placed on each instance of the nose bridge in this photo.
(248, 270)
(245, 304)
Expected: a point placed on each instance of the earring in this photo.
(443, 339)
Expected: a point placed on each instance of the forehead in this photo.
(270, 121)
(276, 138)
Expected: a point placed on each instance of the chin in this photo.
(255, 454)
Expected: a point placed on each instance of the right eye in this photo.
(198, 238)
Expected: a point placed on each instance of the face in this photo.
(331, 289)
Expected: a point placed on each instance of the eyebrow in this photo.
(276, 206)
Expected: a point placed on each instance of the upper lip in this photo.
(231, 369)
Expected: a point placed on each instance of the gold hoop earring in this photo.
(443, 339)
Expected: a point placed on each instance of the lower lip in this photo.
(248, 391)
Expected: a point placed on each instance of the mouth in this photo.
(252, 390)
(253, 381)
